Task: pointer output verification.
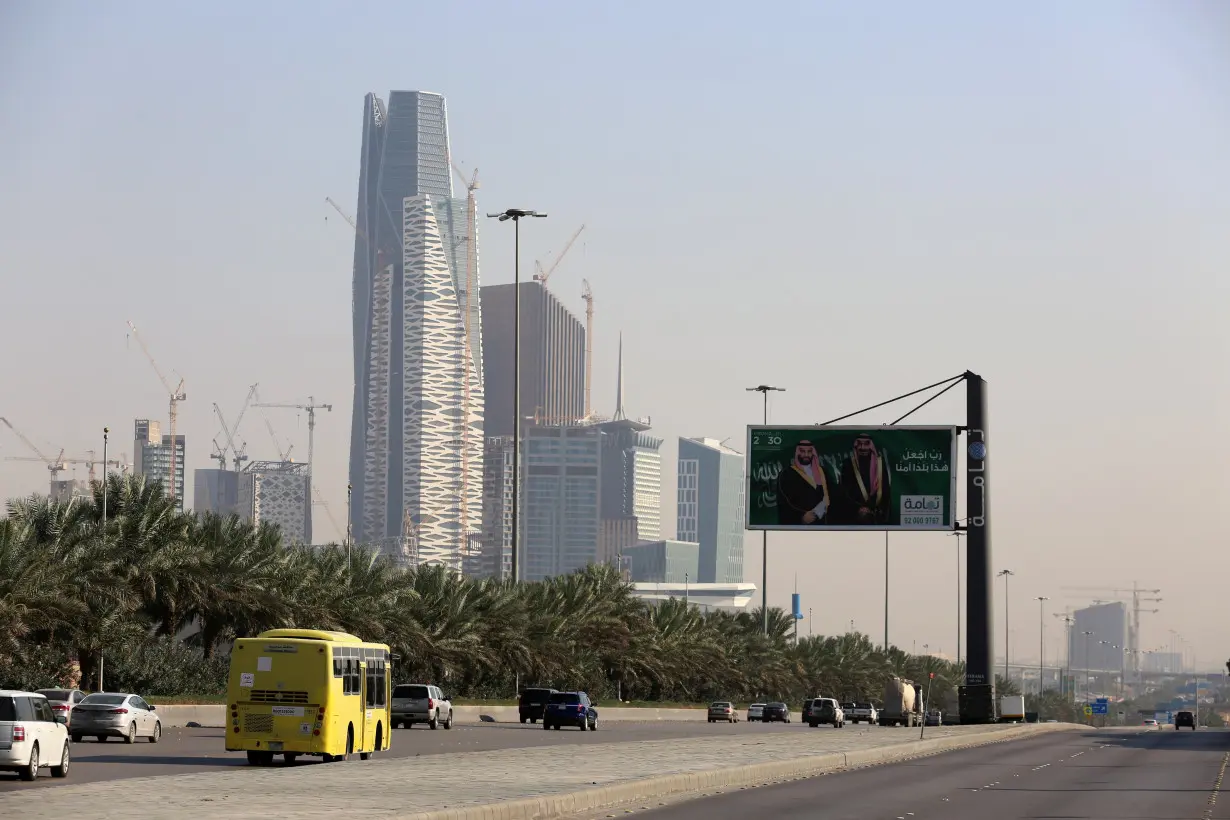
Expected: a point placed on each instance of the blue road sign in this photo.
(1099, 708)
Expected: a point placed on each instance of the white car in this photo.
(755, 712)
(115, 714)
(31, 736)
(1150, 723)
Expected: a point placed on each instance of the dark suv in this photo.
(533, 703)
(570, 709)
(1182, 719)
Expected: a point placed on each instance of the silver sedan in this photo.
(115, 714)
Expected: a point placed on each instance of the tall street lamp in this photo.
(1087, 633)
(1006, 574)
(516, 215)
(958, 535)
(765, 390)
(1042, 599)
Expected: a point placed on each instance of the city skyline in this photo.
(1055, 225)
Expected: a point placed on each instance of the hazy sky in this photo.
(848, 201)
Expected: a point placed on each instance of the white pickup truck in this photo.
(861, 713)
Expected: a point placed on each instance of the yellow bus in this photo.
(307, 692)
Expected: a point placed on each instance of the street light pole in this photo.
(1006, 574)
(1042, 599)
(516, 215)
(958, 535)
(106, 436)
(349, 490)
(764, 390)
(1087, 633)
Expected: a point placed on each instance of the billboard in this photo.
(841, 477)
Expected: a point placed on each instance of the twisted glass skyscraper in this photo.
(416, 435)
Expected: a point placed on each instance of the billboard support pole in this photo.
(977, 696)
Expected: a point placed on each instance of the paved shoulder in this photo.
(391, 787)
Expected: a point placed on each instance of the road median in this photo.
(542, 781)
(733, 777)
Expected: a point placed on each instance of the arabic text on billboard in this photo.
(851, 478)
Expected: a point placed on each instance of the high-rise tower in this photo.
(416, 452)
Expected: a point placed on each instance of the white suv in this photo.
(31, 736)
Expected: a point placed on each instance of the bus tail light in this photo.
(316, 732)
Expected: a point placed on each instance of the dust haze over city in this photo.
(844, 202)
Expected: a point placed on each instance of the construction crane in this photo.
(176, 395)
(311, 407)
(542, 275)
(320, 499)
(588, 295)
(471, 277)
(239, 453)
(90, 461)
(54, 465)
(284, 455)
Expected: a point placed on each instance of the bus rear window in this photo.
(410, 691)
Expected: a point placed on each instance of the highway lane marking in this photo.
(1221, 774)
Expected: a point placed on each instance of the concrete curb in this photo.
(562, 805)
(214, 715)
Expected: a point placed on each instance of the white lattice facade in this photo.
(278, 493)
(436, 493)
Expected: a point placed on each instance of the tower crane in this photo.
(54, 465)
(176, 395)
(239, 453)
(471, 277)
(542, 275)
(284, 455)
(588, 295)
(311, 407)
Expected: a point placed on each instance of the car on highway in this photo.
(421, 703)
(570, 709)
(776, 712)
(723, 710)
(864, 712)
(1150, 723)
(826, 710)
(115, 714)
(533, 703)
(32, 736)
(1182, 719)
(62, 700)
(755, 712)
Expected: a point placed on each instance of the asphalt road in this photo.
(1115, 775)
(182, 751)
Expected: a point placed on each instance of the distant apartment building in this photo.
(497, 509)
(1102, 649)
(152, 457)
(662, 562)
(552, 358)
(215, 491)
(710, 507)
(631, 479)
(278, 492)
(560, 499)
(69, 489)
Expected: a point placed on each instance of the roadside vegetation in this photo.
(157, 596)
